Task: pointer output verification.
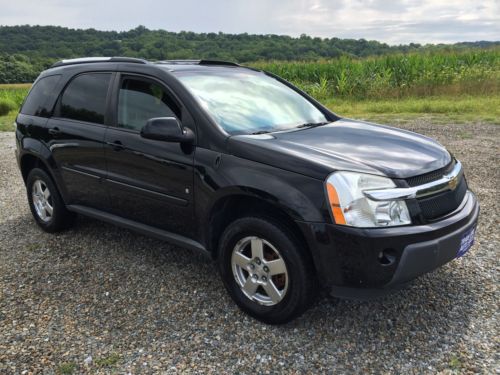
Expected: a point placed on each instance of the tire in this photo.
(253, 284)
(45, 202)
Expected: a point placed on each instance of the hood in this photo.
(344, 145)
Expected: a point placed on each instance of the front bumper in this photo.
(348, 260)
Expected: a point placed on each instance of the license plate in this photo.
(466, 242)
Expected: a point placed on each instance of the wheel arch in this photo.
(233, 206)
(29, 161)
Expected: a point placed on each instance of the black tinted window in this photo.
(85, 98)
(140, 100)
(41, 97)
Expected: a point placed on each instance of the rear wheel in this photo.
(266, 270)
(45, 202)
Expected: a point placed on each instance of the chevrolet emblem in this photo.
(452, 184)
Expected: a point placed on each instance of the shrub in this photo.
(6, 106)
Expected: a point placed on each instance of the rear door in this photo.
(149, 181)
(75, 137)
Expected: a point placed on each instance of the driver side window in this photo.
(139, 100)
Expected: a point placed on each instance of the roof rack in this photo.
(86, 60)
(178, 62)
(197, 62)
(217, 62)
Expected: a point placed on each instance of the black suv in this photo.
(243, 166)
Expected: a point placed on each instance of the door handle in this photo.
(54, 131)
(116, 145)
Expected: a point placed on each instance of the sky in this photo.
(393, 22)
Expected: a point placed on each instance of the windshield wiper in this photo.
(312, 124)
(306, 125)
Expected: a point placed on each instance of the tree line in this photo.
(26, 50)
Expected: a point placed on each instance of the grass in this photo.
(455, 363)
(108, 361)
(15, 94)
(441, 109)
(15, 86)
(7, 122)
(67, 368)
(33, 247)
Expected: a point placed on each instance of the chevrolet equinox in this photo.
(239, 164)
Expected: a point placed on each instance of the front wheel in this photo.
(266, 270)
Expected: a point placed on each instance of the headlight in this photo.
(350, 206)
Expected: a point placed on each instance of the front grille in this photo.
(443, 203)
(431, 176)
(440, 204)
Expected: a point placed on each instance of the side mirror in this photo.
(166, 129)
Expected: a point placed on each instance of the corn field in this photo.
(472, 72)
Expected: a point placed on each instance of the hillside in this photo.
(56, 42)
(26, 50)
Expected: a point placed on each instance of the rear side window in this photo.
(85, 98)
(41, 97)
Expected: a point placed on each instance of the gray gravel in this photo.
(100, 299)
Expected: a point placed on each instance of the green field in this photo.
(471, 72)
(11, 98)
(443, 86)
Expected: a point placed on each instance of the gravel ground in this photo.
(100, 299)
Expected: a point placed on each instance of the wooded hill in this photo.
(26, 50)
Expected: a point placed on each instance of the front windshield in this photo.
(245, 102)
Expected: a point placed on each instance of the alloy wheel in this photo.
(259, 270)
(42, 201)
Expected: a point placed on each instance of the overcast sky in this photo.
(394, 22)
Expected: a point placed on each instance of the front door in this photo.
(148, 181)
